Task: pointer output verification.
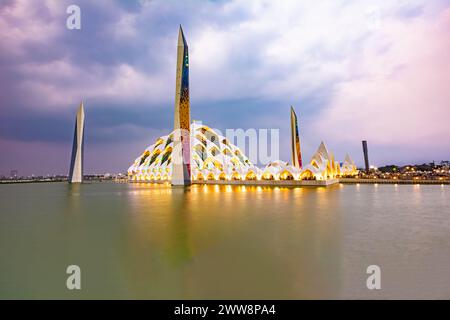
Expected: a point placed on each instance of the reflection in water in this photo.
(178, 247)
(73, 198)
(216, 241)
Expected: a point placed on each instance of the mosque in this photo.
(195, 153)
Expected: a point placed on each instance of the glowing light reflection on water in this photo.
(216, 241)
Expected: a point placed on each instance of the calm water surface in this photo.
(146, 241)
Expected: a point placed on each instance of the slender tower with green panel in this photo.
(181, 172)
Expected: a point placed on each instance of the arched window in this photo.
(268, 176)
(250, 176)
(286, 175)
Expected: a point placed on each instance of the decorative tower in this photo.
(366, 155)
(76, 163)
(295, 141)
(181, 157)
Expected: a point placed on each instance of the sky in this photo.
(353, 70)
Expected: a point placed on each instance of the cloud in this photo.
(339, 63)
(23, 25)
(401, 96)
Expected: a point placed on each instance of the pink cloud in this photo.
(22, 23)
(401, 96)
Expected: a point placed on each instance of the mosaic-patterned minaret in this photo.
(76, 163)
(295, 141)
(181, 172)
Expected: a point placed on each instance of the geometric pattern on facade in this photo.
(295, 141)
(322, 165)
(181, 145)
(195, 152)
(215, 158)
(348, 167)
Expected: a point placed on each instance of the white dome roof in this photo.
(210, 153)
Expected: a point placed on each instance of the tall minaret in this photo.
(295, 141)
(76, 163)
(181, 155)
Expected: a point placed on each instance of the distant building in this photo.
(76, 163)
(366, 155)
(13, 173)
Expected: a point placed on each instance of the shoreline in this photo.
(30, 181)
(48, 181)
(275, 183)
(391, 181)
(303, 183)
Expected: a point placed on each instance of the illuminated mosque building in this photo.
(208, 156)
